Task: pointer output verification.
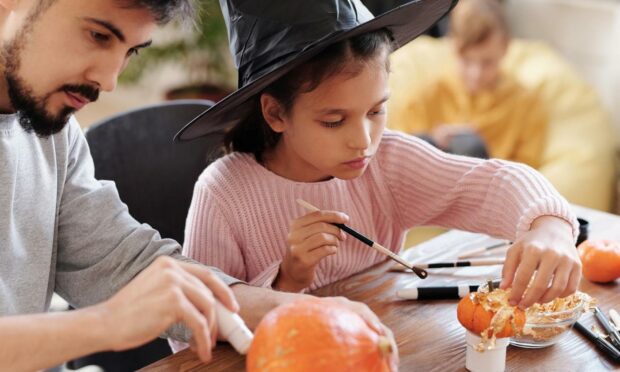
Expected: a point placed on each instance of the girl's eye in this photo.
(133, 52)
(377, 112)
(99, 37)
(332, 124)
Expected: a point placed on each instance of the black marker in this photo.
(604, 345)
(614, 337)
(438, 293)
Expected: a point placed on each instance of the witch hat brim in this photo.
(405, 22)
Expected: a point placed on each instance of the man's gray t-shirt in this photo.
(61, 230)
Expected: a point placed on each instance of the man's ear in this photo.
(273, 112)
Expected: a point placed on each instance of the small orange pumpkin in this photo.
(316, 335)
(475, 312)
(600, 260)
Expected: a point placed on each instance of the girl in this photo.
(317, 131)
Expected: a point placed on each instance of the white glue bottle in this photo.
(232, 328)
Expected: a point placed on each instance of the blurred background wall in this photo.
(197, 64)
(585, 32)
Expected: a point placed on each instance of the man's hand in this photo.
(311, 238)
(548, 252)
(167, 292)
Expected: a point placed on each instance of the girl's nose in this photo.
(359, 138)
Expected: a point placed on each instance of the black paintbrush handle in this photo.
(421, 273)
(355, 234)
(449, 264)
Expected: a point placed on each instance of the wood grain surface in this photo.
(428, 335)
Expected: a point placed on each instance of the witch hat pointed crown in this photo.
(268, 38)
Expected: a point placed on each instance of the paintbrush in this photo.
(438, 265)
(419, 272)
(477, 251)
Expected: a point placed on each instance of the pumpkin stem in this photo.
(385, 346)
(490, 285)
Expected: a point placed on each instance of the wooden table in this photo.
(428, 335)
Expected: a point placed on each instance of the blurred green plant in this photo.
(203, 52)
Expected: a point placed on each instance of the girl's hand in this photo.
(311, 238)
(548, 250)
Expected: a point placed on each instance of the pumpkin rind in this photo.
(315, 335)
(474, 317)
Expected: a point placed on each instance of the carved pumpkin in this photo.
(600, 260)
(316, 335)
(490, 312)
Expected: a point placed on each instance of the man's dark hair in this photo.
(163, 10)
(166, 10)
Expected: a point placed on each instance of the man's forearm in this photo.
(255, 302)
(34, 342)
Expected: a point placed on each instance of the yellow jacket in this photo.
(577, 154)
(510, 118)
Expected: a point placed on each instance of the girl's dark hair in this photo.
(253, 134)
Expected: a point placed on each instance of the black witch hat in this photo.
(269, 38)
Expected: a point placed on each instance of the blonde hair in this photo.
(472, 22)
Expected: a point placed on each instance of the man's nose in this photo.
(104, 73)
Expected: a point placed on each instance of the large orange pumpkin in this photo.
(316, 335)
(477, 310)
(600, 260)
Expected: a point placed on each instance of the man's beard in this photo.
(31, 112)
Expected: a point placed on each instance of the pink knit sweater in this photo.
(241, 212)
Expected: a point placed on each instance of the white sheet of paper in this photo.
(447, 247)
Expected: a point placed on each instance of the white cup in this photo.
(489, 360)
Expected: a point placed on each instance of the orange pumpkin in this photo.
(600, 260)
(475, 312)
(316, 335)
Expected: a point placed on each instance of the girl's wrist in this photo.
(286, 283)
(553, 222)
(553, 225)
